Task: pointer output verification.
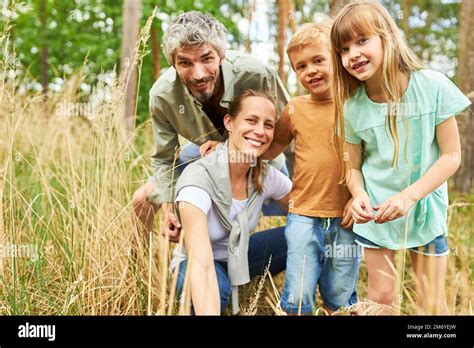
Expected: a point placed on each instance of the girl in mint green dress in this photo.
(402, 144)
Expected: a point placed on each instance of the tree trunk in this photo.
(463, 177)
(44, 48)
(251, 12)
(291, 15)
(292, 18)
(281, 39)
(128, 60)
(155, 52)
(404, 21)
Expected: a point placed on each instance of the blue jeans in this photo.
(190, 153)
(262, 245)
(320, 252)
(437, 247)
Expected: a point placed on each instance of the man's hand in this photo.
(347, 220)
(208, 147)
(170, 223)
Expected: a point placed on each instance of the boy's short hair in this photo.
(310, 33)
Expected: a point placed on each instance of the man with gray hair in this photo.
(191, 99)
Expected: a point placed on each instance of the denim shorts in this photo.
(437, 247)
(320, 252)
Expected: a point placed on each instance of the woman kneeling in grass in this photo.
(219, 199)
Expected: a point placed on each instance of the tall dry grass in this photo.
(65, 185)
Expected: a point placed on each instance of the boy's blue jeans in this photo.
(320, 252)
(262, 245)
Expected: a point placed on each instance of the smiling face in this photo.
(198, 69)
(251, 131)
(311, 64)
(362, 57)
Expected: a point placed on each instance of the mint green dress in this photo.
(430, 99)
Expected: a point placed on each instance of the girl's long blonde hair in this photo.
(370, 18)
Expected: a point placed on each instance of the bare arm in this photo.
(361, 208)
(281, 138)
(274, 150)
(447, 136)
(284, 202)
(203, 279)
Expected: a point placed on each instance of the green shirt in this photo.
(430, 99)
(175, 111)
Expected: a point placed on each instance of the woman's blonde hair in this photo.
(365, 18)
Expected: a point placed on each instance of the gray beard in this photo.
(204, 97)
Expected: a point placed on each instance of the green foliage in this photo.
(88, 32)
(74, 30)
(433, 31)
(167, 10)
(91, 29)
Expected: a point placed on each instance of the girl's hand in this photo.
(361, 209)
(347, 220)
(394, 207)
(208, 147)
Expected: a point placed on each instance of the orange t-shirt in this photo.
(316, 191)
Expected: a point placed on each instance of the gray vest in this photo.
(211, 173)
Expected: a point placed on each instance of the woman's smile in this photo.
(254, 142)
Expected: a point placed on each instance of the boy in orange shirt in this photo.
(321, 244)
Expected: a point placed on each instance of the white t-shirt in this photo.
(275, 186)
